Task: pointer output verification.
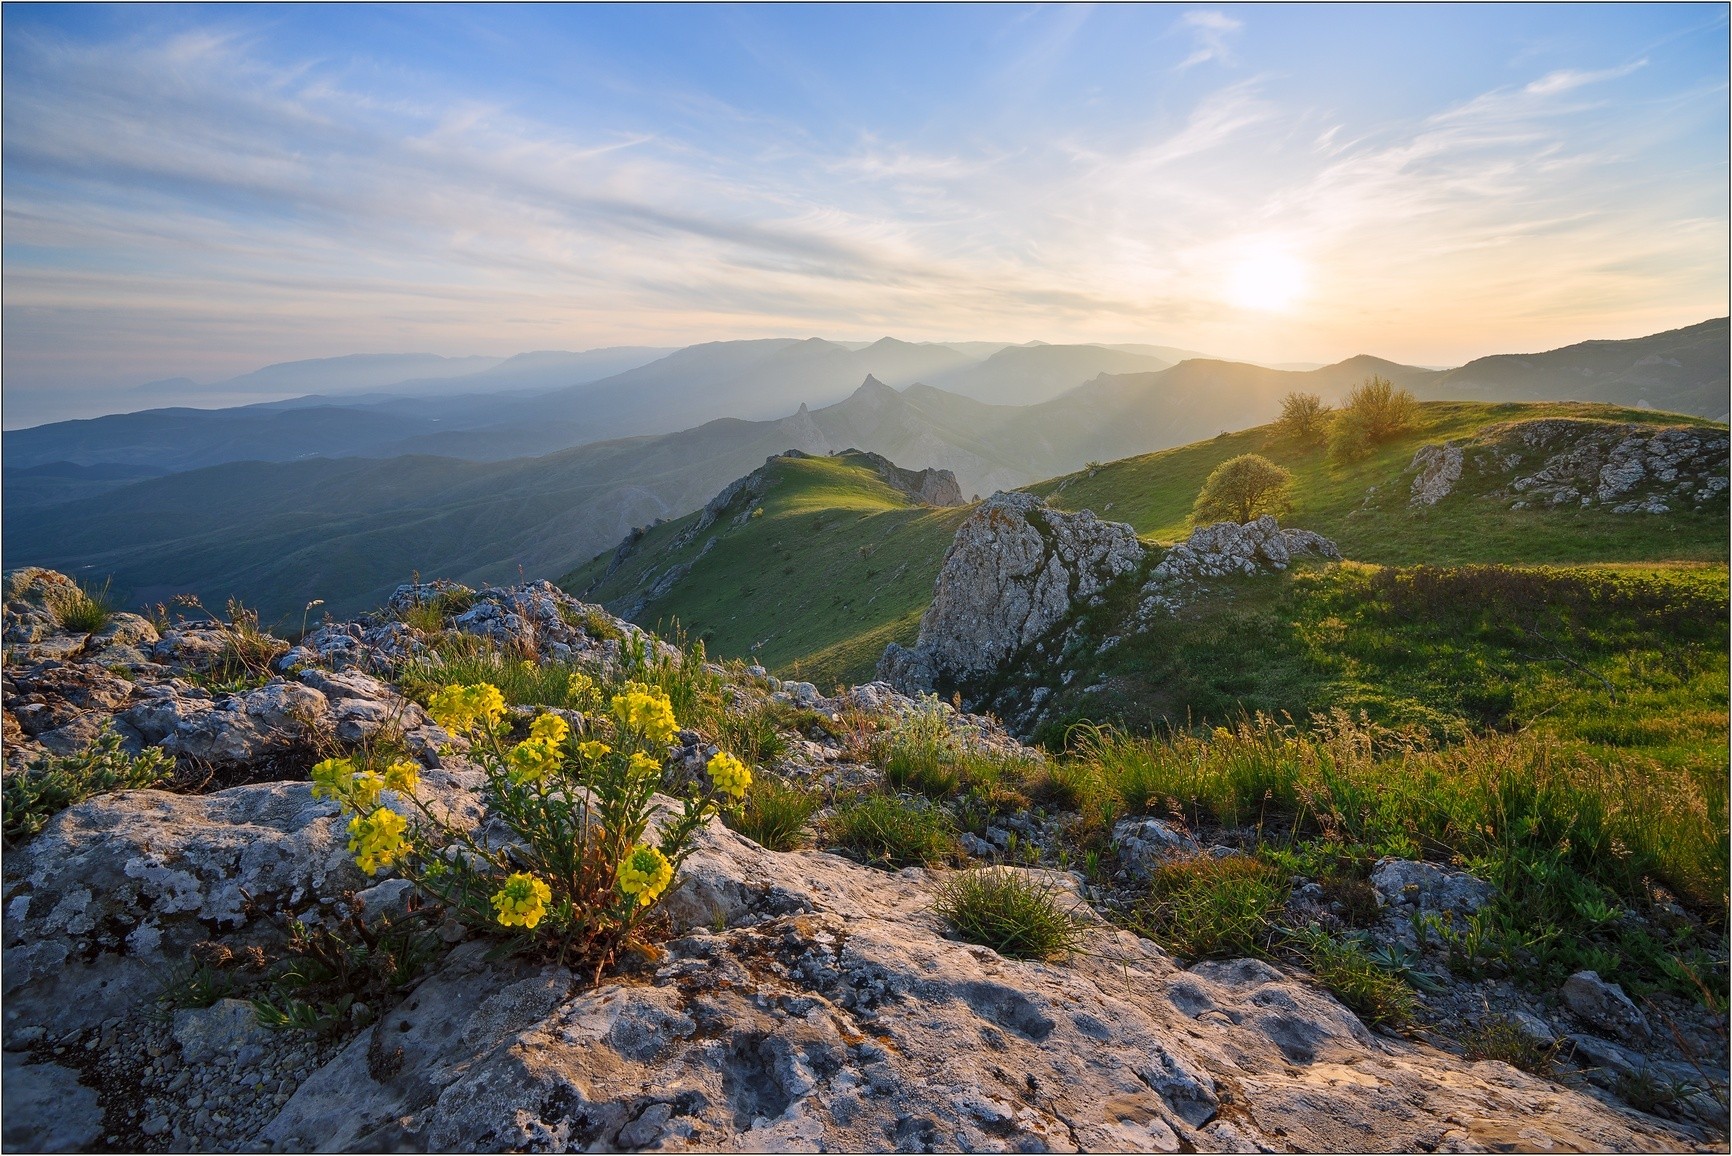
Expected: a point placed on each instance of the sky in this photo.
(202, 190)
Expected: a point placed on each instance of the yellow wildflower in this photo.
(364, 788)
(532, 760)
(459, 708)
(1222, 733)
(645, 872)
(730, 775)
(644, 767)
(376, 840)
(550, 727)
(331, 778)
(646, 710)
(402, 776)
(593, 749)
(578, 687)
(522, 901)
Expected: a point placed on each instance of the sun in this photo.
(1267, 279)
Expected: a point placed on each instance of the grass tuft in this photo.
(775, 814)
(885, 831)
(82, 609)
(1014, 913)
(1209, 908)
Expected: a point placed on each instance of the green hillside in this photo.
(1364, 505)
(836, 565)
(839, 563)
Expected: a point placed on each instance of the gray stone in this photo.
(1011, 574)
(227, 1030)
(47, 1109)
(1145, 844)
(1427, 887)
(1438, 469)
(1604, 1005)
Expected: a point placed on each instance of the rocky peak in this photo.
(931, 487)
(1012, 573)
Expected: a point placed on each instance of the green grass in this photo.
(1343, 967)
(1015, 914)
(1209, 908)
(886, 831)
(83, 609)
(1569, 837)
(1155, 492)
(838, 564)
(1626, 660)
(775, 814)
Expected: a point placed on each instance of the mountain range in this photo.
(342, 502)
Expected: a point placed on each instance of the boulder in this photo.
(1412, 885)
(1604, 1006)
(1012, 573)
(1145, 844)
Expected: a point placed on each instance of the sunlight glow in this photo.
(1267, 279)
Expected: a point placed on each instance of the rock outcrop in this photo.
(1628, 468)
(1012, 573)
(807, 1002)
(1227, 549)
(929, 487)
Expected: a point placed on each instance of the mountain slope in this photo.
(1365, 506)
(1682, 370)
(810, 552)
(1029, 374)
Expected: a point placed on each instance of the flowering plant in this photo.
(578, 873)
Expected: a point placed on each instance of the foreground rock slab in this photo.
(831, 1013)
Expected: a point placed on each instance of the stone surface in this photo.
(832, 1012)
(1604, 1005)
(227, 1029)
(1145, 844)
(1012, 573)
(1437, 469)
(46, 1109)
(1225, 549)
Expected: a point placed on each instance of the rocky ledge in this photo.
(798, 1000)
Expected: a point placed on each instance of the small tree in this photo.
(1304, 418)
(1242, 488)
(1375, 412)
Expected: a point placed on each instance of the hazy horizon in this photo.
(201, 192)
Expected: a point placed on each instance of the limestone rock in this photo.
(1225, 549)
(228, 1028)
(1604, 1005)
(1438, 469)
(1144, 844)
(832, 1012)
(47, 1109)
(1013, 572)
(1427, 887)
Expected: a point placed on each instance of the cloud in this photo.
(1565, 79)
(1209, 31)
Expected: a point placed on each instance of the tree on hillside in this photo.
(1304, 418)
(1243, 488)
(1375, 412)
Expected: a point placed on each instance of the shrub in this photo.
(581, 872)
(1010, 911)
(1304, 418)
(885, 831)
(1208, 908)
(1498, 1038)
(82, 609)
(35, 794)
(1376, 996)
(328, 968)
(1242, 488)
(1374, 413)
(774, 815)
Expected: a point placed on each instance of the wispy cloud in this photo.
(1565, 79)
(195, 205)
(1210, 31)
